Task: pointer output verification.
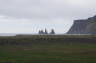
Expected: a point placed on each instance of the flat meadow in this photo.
(48, 49)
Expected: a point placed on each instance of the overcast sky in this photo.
(28, 16)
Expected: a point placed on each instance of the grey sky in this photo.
(28, 16)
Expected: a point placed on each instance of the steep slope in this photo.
(87, 26)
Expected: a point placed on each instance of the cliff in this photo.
(84, 26)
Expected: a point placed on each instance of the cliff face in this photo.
(87, 26)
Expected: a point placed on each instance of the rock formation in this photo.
(86, 26)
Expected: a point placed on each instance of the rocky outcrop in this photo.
(86, 26)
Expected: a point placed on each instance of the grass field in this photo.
(48, 50)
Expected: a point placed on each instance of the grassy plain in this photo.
(48, 49)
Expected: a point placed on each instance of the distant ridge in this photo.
(84, 26)
(7, 34)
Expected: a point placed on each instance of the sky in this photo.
(30, 16)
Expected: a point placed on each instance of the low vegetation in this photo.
(48, 49)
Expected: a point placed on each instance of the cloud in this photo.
(57, 14)
(43, 8)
